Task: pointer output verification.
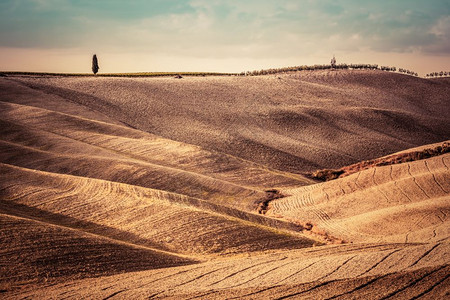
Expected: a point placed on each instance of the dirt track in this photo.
(134, 188)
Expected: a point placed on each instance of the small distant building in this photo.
(333, 62)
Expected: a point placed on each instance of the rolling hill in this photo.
(407, 202)
(297, 123)
(152, 187)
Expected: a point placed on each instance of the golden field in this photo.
(200, 187)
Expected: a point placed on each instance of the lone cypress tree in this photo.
(95, 64)
(333, 62)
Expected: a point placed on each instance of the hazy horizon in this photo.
(221, 36)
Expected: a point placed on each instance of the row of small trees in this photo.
(438, 74)
(289, 69)
(391, 69)
(326, 67)
(408, 72)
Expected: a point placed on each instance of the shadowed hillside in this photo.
(343, 272)
(299, 122)
(73, 145)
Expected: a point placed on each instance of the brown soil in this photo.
(406, 202)
(300, 123)
(193, 188)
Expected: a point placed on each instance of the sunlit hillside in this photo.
(201, 187)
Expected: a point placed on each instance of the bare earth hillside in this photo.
(198, 188)
(299, 122)
(406, 202)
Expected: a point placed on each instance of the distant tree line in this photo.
(408, 72)
(327, 67)
(438, 74)
(384, 68)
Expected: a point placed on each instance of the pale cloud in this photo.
(441, 30)
(43, 5)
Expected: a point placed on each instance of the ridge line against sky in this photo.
(222, 36)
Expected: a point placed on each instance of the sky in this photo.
(221, 35)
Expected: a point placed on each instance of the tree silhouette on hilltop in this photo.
(95, 66)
